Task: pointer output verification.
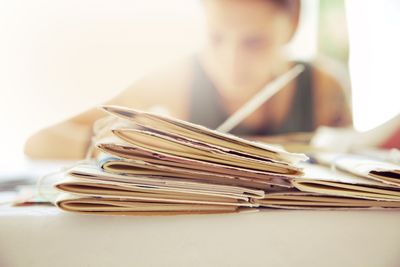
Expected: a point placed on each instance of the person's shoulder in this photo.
(329, 75)
(170, 76)
(331, 93)
(166, 87)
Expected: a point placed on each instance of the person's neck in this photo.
(239, 94)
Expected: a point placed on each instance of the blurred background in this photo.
(59, 58)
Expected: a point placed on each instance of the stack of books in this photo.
(150, 164)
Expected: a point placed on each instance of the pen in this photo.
(263, 95)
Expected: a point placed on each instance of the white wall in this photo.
(58, 58)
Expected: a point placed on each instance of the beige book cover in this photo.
(314, 201)
(134, 157)
(203, 135)
(180, 147)
(88, 189)
(93, 172)
(121, 206)
(135, 168)
(385, 172)
(324, 180)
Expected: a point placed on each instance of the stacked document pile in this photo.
(341, 182)
(160, 165)
(152, 165)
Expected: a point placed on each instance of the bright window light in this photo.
(374, 59)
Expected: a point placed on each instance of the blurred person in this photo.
(244, 51)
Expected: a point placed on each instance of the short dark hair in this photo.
(290, 6)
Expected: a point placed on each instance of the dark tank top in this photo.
(206, 106)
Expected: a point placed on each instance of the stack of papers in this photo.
(327, 187)
(161, 165)
(149, 164)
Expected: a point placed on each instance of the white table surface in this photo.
(39, 236)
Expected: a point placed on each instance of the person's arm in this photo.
(70, 139)
(65, 140)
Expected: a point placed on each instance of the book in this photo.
(318, 201)
(363, 166)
